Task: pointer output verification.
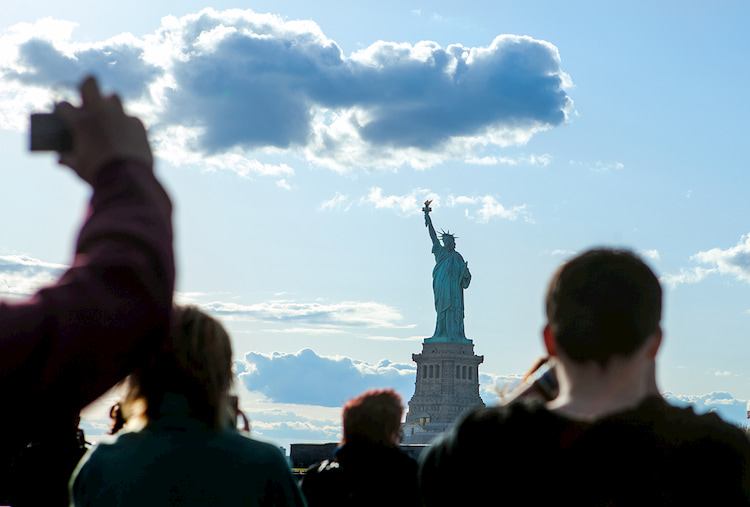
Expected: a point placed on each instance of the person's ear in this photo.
(550, 342)
(653, 347)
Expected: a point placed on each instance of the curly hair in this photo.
(373, 417)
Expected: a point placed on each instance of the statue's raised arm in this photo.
(428, 223)
(449, 279)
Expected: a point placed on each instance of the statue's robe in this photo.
(449, 279)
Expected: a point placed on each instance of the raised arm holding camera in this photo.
(72, 341)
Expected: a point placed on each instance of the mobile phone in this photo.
(49, 133)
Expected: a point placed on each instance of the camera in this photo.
(49, 133)
(539, 383)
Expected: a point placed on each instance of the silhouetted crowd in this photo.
(606, 436)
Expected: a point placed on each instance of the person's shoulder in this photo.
(252, 449)
(701, 448)
(395, 458)
(682, 427)
(117, 447)
(708, 425)
(113, 456)
(404, 458)
(521, 413)
(503, 426)
(486, 443)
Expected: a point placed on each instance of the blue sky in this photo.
(298, 141)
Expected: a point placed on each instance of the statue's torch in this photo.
(426, 210)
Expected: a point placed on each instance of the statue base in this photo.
(447, 385)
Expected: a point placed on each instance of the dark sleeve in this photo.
(72, 341)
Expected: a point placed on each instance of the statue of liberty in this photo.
(449, 279)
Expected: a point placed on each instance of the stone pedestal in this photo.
(447, 385)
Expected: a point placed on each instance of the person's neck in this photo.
(589, 391)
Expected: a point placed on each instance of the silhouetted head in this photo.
(195, 361)
(373, 417)
(603, 303)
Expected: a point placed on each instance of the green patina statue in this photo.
(449, 279)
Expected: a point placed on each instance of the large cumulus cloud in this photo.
(311, 379)
(40, 63)
(223, 84)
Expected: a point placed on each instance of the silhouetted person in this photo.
(368, 468)
(608, 438)
(187, 452)
(72, 341)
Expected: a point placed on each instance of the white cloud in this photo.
(288, 423)
(730, 409)
(537, 160)
(337, 202)
(566, 253)
(21, 275)
(222, 88)
(734, 261)
(299, 378)
(323, 330)
(484, 208)
(454, 201)
(685, 275)
(493, 388)
(176, 144)
(194, 297)
(650, 254)
(599, 166)
(409, 204)
(345, 313)
(720, 373)
(492, 208)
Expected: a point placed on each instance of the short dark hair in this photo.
(603, 303)
(373, 417)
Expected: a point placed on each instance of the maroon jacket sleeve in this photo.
(72, 341)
